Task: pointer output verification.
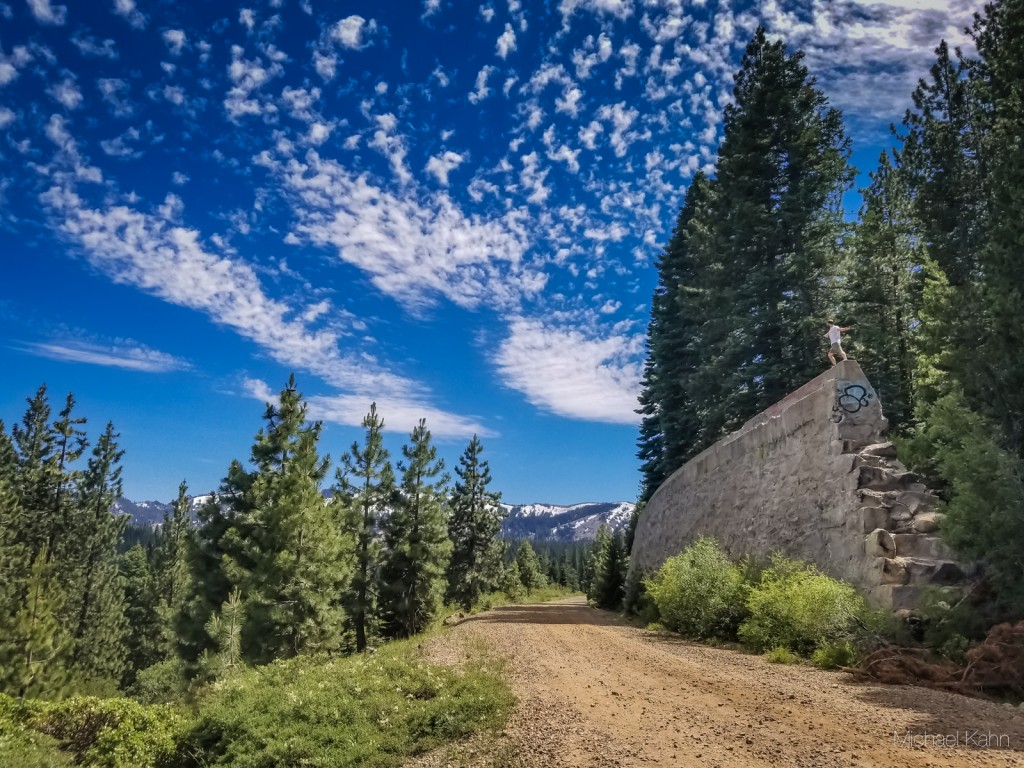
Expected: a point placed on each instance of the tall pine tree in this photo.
(171, 577)
(477, 551)
(416, 544)
(292, 570)
(670, 423)
(770, 241)
(881, 289)
(98, 623)
(367, 486)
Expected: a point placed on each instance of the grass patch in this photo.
(781, 655)
(372, 710)
(494, 600)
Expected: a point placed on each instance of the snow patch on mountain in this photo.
(571, 522)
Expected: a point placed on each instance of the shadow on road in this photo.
(546, 613)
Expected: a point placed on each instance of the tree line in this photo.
(930, 276)
(271, 567)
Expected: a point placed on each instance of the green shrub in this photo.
(20, 745)
(371, 710)
(163, 683)
(835, 655)
(111, 733)
(781, 655)
(798, 607)
(699, 593)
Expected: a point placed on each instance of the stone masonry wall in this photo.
(811, 477)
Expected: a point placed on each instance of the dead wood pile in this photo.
(994, 667)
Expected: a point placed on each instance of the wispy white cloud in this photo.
(415, 246)
(440, 166)
(126, 9)
(248, 77)
(354, 32)
(115, 93)
(92, 47)
(620, 9)
(391, 144)
(66, 93)
(588, 375)
(482, 91)
(122, 353)
(430, 7)
(46, 12)
(400, 414)
(175, 40)
(507, 42)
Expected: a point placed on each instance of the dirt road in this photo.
(594, 691)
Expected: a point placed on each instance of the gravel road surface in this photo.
(595, 691)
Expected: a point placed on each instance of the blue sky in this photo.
(450, 208)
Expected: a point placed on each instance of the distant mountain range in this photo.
(575, 522)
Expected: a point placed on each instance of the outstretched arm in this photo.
(844, 330)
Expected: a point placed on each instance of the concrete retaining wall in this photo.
(811, 477)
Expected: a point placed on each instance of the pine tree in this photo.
(881, 289)
(292, 570)
(670, 423)
(171, 575)
(531, 573)
(145, 643)
(609, 570)
(943, 164)
(474, 526)
(98, 625)
(14, 562)
(998, 80)
(416, 544)
(367, 485)
(37, 475)
(216, 557)
(34, 656)
(225, 627)
(15, 566)
(70, 444)
(770, 240)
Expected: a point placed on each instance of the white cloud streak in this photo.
(126, 354)
(415, 246)
(572, 373)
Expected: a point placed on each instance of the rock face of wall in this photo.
(813, 478)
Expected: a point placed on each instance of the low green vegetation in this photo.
(787, 610)
(700, 593)
(370, 710)
(781, 655)
(367, 710)
(797, 607)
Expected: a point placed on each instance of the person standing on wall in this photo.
(833, 334)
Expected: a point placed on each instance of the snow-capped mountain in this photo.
(152, 512)
(576, 522)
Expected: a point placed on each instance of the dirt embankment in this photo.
(594, 691)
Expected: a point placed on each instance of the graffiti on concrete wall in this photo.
(850, 399)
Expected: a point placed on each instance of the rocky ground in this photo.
(594, 691)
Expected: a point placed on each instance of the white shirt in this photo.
(833, 334)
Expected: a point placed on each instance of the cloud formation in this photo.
(590, 376)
